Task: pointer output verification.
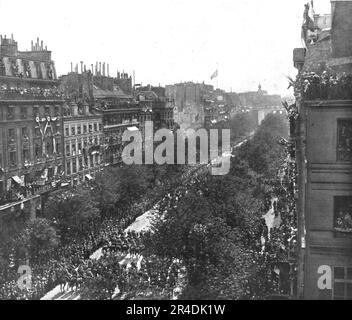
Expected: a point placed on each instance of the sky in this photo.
(168, 41)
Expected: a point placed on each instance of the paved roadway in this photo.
(143, 222)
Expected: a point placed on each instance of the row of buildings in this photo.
(60, 131)
(56, 132)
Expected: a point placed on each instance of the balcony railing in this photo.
(325, 86)
(30, 94)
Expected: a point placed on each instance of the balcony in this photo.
(30, 94)
(325, 86)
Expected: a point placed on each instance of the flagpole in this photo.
(217, 78)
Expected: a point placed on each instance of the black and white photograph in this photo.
(188, 152)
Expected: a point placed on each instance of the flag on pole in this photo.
(214, 75)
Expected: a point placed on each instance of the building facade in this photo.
(31, 131)
(83, 141)
(110, 98)
(321, 127)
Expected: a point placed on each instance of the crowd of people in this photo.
(69, 265)
(326, 86)
(29, 93)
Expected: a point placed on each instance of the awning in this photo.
(89, 177)
(17, 179)
(132, 128)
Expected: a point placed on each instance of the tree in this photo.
(73, 210)
(107, 276)
(39, 237)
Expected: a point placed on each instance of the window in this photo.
(67, 131)
(90, 128)
(49, 146)
(37, 132)
(79, 129)
(73, 130)
(95, 127)
(11, 135)
(74, 166)
(79, 147)
(80, 164)
(10, 113)
(344, 140)
(342, 283)
(95, 140)
(38, 149)
(343, 213)
(91, 160)
(57, 111)
(100, 127)
(58, 146)
(25, 133)
(68, 167)
(25, 155)
(84, 128)
(73, 147)
(35, 111)
(68, 151)
(23, 113)
(13, 158)
(47, 111)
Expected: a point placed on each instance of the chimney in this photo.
(341, 32)
(100, 68)
(96, 68)
(81, 66)
(71, 67)
(104, 69)
(92, 68)
(84, 68)
(108, 69)
(41, 46)
(86, 109)
(32, 46)
(74, 109)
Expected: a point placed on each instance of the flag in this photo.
(214, 75)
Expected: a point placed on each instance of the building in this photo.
(321, 127)
(217, 107)
(153, 101)
(31, 132)
(83, 141)
(109, 97)
(188, 101)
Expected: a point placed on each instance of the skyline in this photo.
(166, 43)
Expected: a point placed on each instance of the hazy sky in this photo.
(168, 41)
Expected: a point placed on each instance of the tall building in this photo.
(31, 132)
(188, 101)
(109, 97)
(83, 141)
(154, 101)
(321, 126)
